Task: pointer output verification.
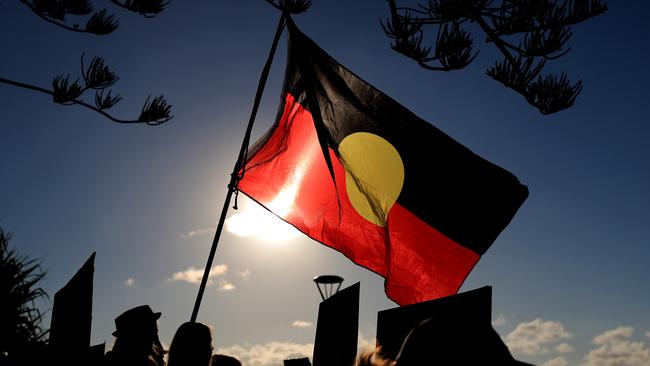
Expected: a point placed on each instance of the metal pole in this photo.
(238, 165)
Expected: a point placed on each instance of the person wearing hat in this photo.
(454, 330)
(136, 339)
(439, 341)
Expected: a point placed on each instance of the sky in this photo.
(569, 274)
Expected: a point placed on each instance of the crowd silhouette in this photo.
(137, 343)
(438, 340)
(454, 330)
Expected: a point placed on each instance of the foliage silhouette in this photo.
(528, 33)
(20, 320)
(97, 77)
(291, 6)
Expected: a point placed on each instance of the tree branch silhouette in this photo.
(290, 6)
(541, 30)
(97, 77)
(147, 8)
(100, 78)
(55, 12)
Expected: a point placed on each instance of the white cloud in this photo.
(194, 275)
(244, 275)
(564, 348)
(274, 353)
(225, 286)
(130, 282)
(500, 321)
(268, 354)
(617, 349)
(301, 324)
(557, 361)
(647, 334)
(533, 337)
(614, 336)
(197, 232)
(364, 343)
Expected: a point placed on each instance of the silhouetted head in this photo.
(372, 357)
(136, 331)
(437, 341)
(191, 346)
(139, 322)
(223, 360)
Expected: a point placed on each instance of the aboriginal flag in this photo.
(355, 170)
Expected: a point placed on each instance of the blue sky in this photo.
(571, 266)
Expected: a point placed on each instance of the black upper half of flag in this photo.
(460, 194)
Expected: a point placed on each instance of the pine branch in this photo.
(147, 8)
(291, 6)
(101, 23)
(543, 27)
(156, 111)
(55, 12)
(99, 77)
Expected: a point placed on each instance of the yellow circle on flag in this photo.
(374, 175)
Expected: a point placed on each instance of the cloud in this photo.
(364, 343)
(564, 348)
(225, 286)
(500, 321)
(301, 324)
(557, 361)
(617, 349)
(197, 232)
(194, 275)
(647, 334)
(614, 336)
(268, 354)
(533, 337)
(130, 282)
(274, 353)
(244, 275)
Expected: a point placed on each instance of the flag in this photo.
(355, 170)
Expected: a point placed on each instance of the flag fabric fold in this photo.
(355, 170)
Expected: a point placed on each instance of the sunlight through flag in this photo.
(254, 221)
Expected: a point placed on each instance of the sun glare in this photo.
(253, 221)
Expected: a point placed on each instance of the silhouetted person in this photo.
(223, 360)
(191, 346)
(453, 330)
(437, 341)
(372, 357)
(136, 342)
(303, 361)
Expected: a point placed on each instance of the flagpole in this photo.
(232, 186)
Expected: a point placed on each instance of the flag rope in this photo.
(235, 177)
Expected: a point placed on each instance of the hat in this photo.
(393, 325)
(440, 341)
(134, 320)
(453, 330)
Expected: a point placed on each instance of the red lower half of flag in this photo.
(288, 175)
